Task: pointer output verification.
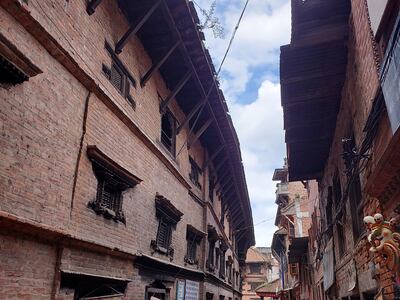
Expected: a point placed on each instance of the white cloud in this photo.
(258, 122)
(260, 129)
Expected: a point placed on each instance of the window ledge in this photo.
(107, 213)
(156, 248)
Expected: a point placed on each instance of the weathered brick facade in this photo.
(50, 237)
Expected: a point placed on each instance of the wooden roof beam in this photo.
(212, 157)
(200, 132)
(91, 7)
(191, 115)
(155, 67)
(175, 91)
(134, 28)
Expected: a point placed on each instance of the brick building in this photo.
(290, 241)
(261, 267)
(121, 172)
(340, 96)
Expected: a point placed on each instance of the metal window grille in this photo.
(191, 250)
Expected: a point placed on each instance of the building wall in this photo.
(357, 96)
(46, 177)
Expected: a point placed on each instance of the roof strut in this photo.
(212, 157)
(154, 68)
(91, 7)
(134, 28)
(200, 132)
(175, 91)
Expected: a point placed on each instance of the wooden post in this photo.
(212, 157)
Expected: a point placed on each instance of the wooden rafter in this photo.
(200, 132)
(91, 7)
(220, 164)
(155, 67)
(191, 115)
(212, 157)
(175, 91)
(134, 28)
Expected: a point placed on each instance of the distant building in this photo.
(260, 267)
(290, 241)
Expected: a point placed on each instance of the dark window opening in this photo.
(222, 263)
(341, 238)
(337, 189)
(211, 187)
(164, 234)
(157, 290)
(193, 237)
(119, 76)
(168, 132)
(255, 268)
(10, 74)
(112, 180)
(90, 287)
(168, 216)
(209, 296)
(356, 206)
(195, 172)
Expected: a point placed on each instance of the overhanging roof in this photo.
(312, 71)
(298, 250)
(173, 21)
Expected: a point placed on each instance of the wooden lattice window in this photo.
(195, 172)
(164, 234)
(255, 268)
(211, 187)
(168, 131)
(193, 237)
(112, 181)
(119, 76)
(168, 216)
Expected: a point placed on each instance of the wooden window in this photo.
(222, 261)
(255, 268)
(164, 234)
(337, 189)
(193, 237)
(195, 172)
(119, 76)
(356, 206)
(168, 216)
(15, 67)
(341, 238)
(211, 187)
(112, 181)
(168, 131)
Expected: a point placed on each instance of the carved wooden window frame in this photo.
(112, 180)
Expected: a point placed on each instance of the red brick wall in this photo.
(26, 267)
(44, 178)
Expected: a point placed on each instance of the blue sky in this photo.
(250, 81)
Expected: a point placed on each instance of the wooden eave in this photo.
(312, 71)
(158, 34)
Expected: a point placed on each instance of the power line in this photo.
(218, 71)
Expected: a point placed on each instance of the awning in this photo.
(298, 250)
(269, 289)
(312, 71)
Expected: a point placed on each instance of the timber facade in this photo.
(121, 172)
(340, 96)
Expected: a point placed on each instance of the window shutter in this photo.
(117, 78)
